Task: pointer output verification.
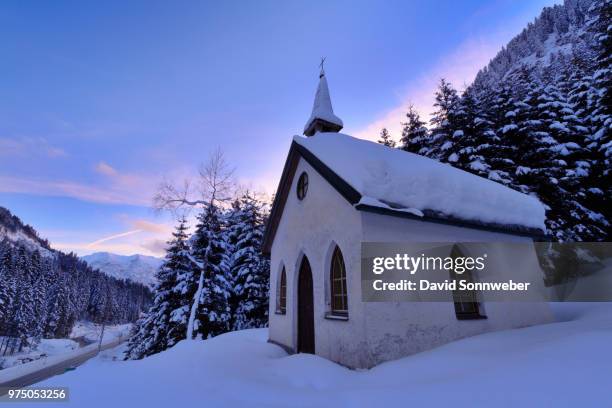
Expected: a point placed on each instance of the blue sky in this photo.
(101, 100)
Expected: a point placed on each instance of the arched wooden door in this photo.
(306, 337)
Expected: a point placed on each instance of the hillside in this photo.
(559, 32)
(538, 119)
(137, 268)
(43, 292)
(13, 230)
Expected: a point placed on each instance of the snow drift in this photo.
(562, 364)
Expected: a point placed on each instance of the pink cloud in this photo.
(113, 194)
(29, 147)
(105, 169)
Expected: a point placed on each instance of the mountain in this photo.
(538, 119)
(15, 232)
(43, 292)
(137, 268)
(561, 31)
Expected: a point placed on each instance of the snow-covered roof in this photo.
(397, 180)
(322, 107)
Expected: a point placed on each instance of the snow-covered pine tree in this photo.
(58, 319)
(39, 288)
(210, 313)
(165, 323)
(415, 137)
(249, 270)
(468, 149)
(478, 144)
(549, 152)
(386, 139)
(7, 289)
(25, 314)
(600, 15)
(441, 138)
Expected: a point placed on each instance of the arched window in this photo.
(281, 293)
(339, 297)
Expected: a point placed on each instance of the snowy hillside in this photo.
(537, 119)
(560, 31)
(563, 364)
(16, 233)
(137, 268)
(44, 291)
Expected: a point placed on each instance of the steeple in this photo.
(322, 118)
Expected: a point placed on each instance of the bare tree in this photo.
(215, 183)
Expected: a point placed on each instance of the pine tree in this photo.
(249, 270)
(386, 139)
(479, 140)
(446, 101)
(58, 323)
(600, 15)
(7, 288)
(210, 313)
(466, 148)
(162, 326)
(25, 314)
(414, 134)
(505, 136)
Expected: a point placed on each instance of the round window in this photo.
(302, 186)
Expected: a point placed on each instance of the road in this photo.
(57, 368)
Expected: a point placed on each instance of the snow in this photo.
(322, 107)
(446, 145)
(365, 200)
(521, 170)
(90, 332)
(508, 128)
(477, 165)
(46, 348)
(20, 237)
(564, 364)
(406, 180)
(83, 332)
(62, 351)
(137, 268)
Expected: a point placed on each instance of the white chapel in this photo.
(337, 191)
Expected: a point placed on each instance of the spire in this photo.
(322, 118)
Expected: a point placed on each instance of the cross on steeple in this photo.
(322, 118)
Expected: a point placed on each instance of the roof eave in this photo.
(535, 233)
(318, 124)
(353, 197)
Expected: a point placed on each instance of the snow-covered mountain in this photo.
(137, 268)
(43, 290)
(558, 34)
(537, 119)
(14, 232)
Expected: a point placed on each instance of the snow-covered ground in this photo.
(90, 332)
(564, 364)
(83, 333)
(46, 348)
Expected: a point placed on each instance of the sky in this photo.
(101, 101)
